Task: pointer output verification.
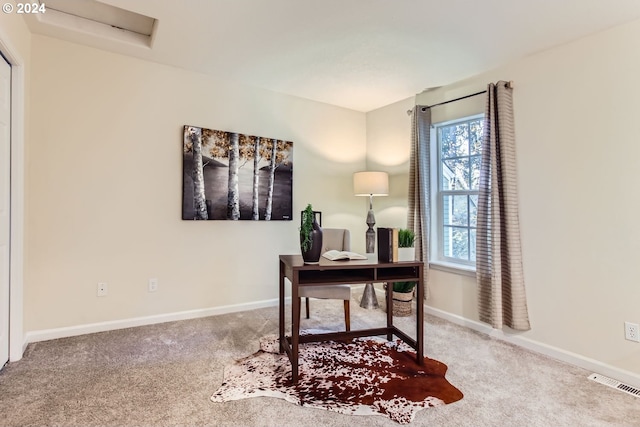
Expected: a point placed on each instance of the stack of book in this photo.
(387, 244)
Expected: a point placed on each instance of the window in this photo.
(455, 182)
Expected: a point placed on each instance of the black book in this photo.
(385, 244)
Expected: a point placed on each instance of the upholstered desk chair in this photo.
(338, 239)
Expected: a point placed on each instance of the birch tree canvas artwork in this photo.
(232, 176)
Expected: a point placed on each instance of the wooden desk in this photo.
(328, 272)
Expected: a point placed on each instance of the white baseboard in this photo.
(622, 375)
(51, 334)
(593, 365)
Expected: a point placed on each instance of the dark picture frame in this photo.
(233, 176)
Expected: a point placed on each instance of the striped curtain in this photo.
(418, 217)
(501, 292)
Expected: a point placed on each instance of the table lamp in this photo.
(370, 184)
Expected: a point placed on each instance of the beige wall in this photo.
(105, 186)
(15, 31)
(15, 45)
(388, 137)
(576, 113)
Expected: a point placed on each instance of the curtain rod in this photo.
(509, 85)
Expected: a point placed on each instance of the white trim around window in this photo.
(439, 260)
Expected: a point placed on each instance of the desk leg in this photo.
(420, 317)
(295, 326)
(281, 307)
(389, 298)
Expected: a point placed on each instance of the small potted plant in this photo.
(403, 291)
(310, 236)
(401, 298)
(406, 250)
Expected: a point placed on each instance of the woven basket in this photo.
(402, 303)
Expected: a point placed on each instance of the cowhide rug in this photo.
(367, 376)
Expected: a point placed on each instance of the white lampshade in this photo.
(371, 183)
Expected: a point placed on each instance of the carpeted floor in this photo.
(163, 375)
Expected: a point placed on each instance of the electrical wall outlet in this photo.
(632, 331)
(103, 289)
(153, 285)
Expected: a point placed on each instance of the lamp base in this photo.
(370, 238)
(369, 299)
(370, 234)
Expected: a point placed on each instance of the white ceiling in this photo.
(357, 54)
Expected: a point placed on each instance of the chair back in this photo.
(336, 238)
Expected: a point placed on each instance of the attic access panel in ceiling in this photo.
(99, 19)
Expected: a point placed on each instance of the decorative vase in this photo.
(406, 254)
(312, 255)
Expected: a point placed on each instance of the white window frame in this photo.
(437, 258)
